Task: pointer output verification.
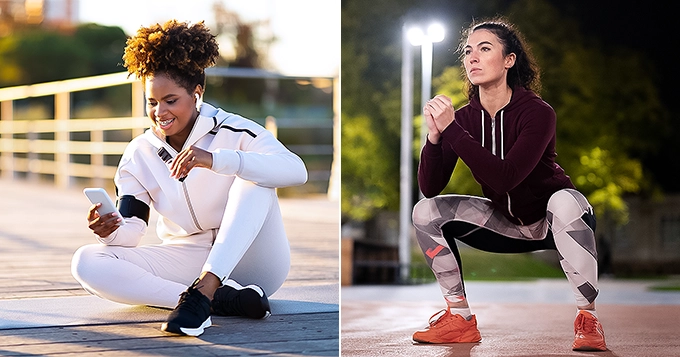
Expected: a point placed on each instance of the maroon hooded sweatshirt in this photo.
(512, 156)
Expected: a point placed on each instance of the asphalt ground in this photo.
(515, 319)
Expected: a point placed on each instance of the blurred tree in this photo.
(105, 46)
(34, 55)
(370, 108)
(609, 115)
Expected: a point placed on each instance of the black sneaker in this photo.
(232, 299)
(192, 314)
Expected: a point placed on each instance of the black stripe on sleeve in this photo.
(236, 130)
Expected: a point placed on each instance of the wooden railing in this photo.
(62, 125)
(23, 150)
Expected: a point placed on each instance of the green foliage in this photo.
(36, 55)
(480, 265)
(366, 176)
(606, 177)
(371, 109)
(609, 114)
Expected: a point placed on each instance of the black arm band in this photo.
(129, 206)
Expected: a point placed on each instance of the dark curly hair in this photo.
(525, 72)
(177, 49)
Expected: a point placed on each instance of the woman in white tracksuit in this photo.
(211, 176)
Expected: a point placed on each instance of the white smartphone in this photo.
(99, 195)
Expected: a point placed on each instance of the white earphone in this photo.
(199, 102)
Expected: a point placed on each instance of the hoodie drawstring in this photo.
(502, 148)
(482, 128)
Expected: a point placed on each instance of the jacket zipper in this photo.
(191, 208)
(186, 194)
(493, 136)
(184, 185)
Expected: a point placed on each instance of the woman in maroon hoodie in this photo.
(506, 136)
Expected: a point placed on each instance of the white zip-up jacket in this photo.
(192, 210)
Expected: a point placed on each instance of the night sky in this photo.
(644, 26)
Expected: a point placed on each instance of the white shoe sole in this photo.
(196, 331)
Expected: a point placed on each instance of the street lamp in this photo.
(406, 167)
(435, 33)
(412, 36)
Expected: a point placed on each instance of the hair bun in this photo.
(176, 47)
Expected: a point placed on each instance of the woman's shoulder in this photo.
(466, 112)
(525, 98)
(235, 123)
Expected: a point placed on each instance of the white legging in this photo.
(250, 247)
(568, 228)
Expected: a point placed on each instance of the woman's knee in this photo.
(422, 211)
(567, 205)
(248, 190)
(569, 208)
(84, 262)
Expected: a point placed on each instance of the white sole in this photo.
(197, 331)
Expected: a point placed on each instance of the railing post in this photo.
(33, 169)
(270, 125)
(7, 157)
(62, 112)
(137, 105)
(97, 157)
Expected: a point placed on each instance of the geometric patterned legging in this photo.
(569, 228)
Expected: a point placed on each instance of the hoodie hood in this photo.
(519, 98)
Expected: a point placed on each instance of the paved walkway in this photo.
(515, 319)
(41, 227)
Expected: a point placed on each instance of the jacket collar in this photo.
(208, 118)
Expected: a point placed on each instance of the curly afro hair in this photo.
(177, 49)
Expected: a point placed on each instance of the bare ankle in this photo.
(207, 284)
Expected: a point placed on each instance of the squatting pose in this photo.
(506, 136)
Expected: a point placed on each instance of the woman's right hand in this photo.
(439, 114)
(104, 225)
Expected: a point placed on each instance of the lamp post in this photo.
(435, 33)
(406, 167)
(412, 36)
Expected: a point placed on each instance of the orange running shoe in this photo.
(588, 332)
(448, 328)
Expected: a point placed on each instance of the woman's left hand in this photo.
(188, 159)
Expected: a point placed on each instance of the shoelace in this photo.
(190, 301)
(587, 325)
(441, 314)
